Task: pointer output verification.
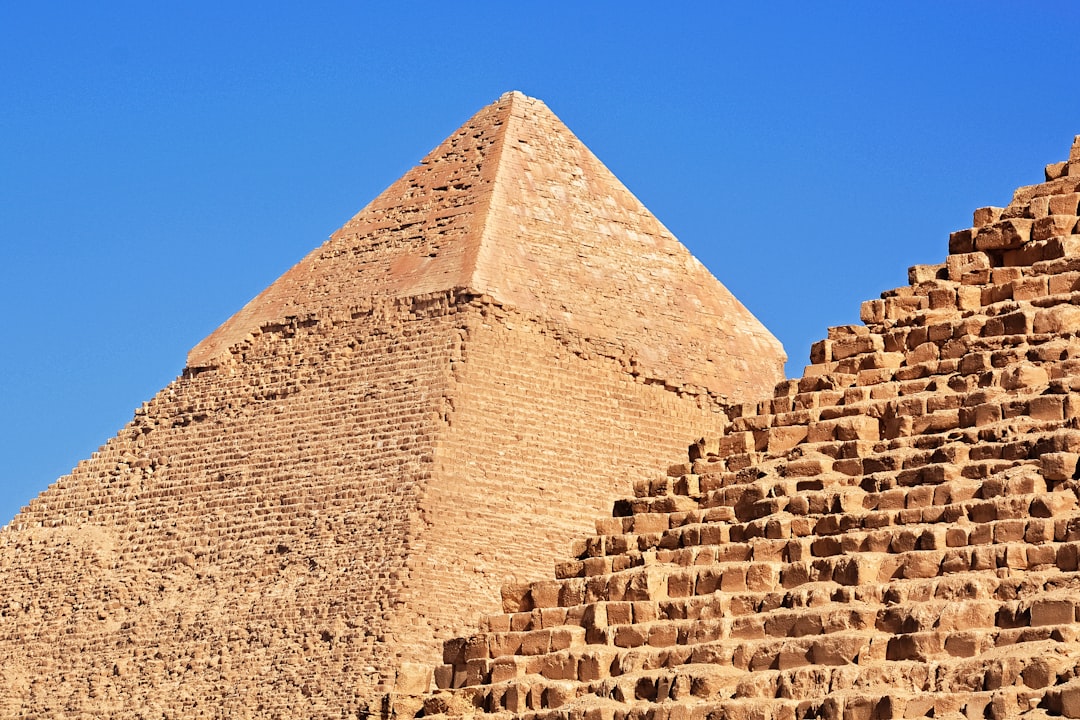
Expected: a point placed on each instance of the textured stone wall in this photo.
(545, 432)
(239, 546)
(277, 534)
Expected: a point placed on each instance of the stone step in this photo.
(918, 668)
(1003, 506)
(1006, 682)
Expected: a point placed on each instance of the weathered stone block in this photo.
(986, 216)
(1065, 204)
(1059, 466)
(1053, 226)
(1004, 235)
(1059, 319)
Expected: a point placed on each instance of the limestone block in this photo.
(968, 298)
(1053, 612)
(704, 447)
(870, 311)
(1067, 204)
(1004, 235)
(1046, 407)
(847, 346)
(738, 443)
(959, 264)
(1029, 288)
(516, 598)
(413, 679)
(557, 695)
(1063, 283)
(925, 273)
(1066, 699)
(444, 676)
(476, 648)
(1039, 207)
(733, 579)
(503, 643)
(557, 666)
(1053, 226)
(1059, 466)
(536, 642)
(962, 241)
(986, 216)
(1024, 376)
(1053, 171)
(477, 671)
(792, 655)
(1053, 504)
(762, 577)
(1059, 319)
(515, 699)
(545, 593)
(1021, 257)
(808, 466)
(1042, 672)
(782, 439)
(1063, 247)
(454, 651)
(663, 635)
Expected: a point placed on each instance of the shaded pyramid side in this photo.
(894, 534)
(418, 236)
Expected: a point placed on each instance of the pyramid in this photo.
(894, 534)
(417, 413)
(515, 208)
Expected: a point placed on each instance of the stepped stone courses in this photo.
(894, 534)
(419, 412)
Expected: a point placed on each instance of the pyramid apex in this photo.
(515, 95)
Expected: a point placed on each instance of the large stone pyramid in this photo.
(420, 411)
(894, 534)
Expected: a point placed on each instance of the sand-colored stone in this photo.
(422, 410)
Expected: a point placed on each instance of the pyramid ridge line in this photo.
(485, 214)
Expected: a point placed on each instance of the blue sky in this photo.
(161, 163)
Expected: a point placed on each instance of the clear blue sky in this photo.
(162, 162)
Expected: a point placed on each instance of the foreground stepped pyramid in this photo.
(895, 534)
(466, 373)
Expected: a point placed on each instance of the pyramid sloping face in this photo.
(895, 534)
(565, 239)
(515, 207)
(419, 236)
